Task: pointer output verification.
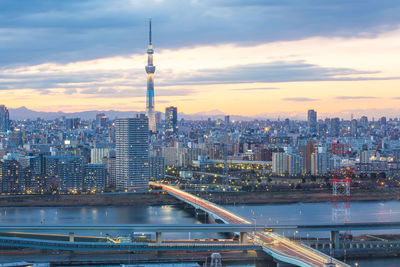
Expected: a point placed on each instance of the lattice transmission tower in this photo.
(340, 184)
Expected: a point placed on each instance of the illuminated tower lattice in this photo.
(340, 185)
(150, 69)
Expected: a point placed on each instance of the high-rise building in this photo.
(335, 127)
(171, 119)
(95, 178)
(364, 121)
(321, 163)
(4, 119)
(132, 153)
(353, 127)
(72, 123)
(364, 156)
(16, 138)
(101, 120)
(109, 163)
(10, 176)
(227, 120)
(70, 174)
(157, 168)
(287, 163)
(150, 69)
(305, 151)
(279, 163)
(180, 156)
(67, 171)
(382, 120)
(98, 153)
(312, 121)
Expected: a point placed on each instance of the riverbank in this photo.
(299, 196)
(127, 199)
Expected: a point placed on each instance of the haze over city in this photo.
(249, 58)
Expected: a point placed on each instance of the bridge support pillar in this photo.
(243, 237)
(71, 237)
(158, 238)
(334, 238)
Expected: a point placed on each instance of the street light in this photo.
(255, 224)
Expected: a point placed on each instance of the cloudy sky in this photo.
(251, 57)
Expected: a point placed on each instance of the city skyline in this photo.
(266, 66)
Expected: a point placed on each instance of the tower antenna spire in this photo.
(150, 31)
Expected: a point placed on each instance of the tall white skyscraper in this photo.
(132, 153)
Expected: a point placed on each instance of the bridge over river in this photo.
(282, 249)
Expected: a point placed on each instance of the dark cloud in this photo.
(299, 99)
(355, 97)
(109, 83)
(35, 31)
(276, 72)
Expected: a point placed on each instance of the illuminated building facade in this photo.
(171, 119)
(4, 119)
(132, 153)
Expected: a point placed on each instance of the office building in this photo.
(132, 153)
(171, 119)
(4, 119)
(72, 124)
(353, 127)
(227, 120)
(335, 127)
(101, 120)
(312, 121)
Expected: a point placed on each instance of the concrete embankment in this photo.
(126, 199)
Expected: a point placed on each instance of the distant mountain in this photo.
(22, 113)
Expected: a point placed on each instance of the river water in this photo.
(284, 214)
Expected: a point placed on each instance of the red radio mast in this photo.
(340, 185)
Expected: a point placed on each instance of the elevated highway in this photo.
(102, 246)
(174, 228)
(279, 247)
